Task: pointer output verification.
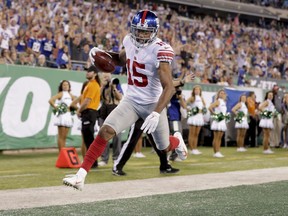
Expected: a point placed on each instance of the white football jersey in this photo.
(144, 86)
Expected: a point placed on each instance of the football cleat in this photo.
(74, 181)
(181, 150)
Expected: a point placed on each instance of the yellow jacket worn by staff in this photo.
(89, 92)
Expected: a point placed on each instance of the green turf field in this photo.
(38, 169)
(263, 199)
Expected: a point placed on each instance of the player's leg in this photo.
(161, 138)
(116, 146)
(105, 154)
(127, 148)
(165, 167)
(122, 117)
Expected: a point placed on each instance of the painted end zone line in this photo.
(61, 195)
(19, 175)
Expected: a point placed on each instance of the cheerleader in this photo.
(64, 119)
(195, 108)
(241, 119)
(284, 113)
(218, 111)
(267, 110)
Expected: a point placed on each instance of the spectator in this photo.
(5, 53)
(14, 27)
(5, 35)
(20, 42)
(85, 52)
(242, 76)
(41, 61)
(34, 43)
(75, 48)
(48, 45)
(31, 60)
(14, 56)
(63, 57)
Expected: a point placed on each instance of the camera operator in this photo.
(174, 114)
(111, 95)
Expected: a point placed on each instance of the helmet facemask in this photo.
(143, 36)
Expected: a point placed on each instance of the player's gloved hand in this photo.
(93, 52)
(151, 123)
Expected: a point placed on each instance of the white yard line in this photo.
(18, 175)
(61, 195)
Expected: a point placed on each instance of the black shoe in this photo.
(169, 170)
(118, 173)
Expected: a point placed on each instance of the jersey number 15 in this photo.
(143, 81)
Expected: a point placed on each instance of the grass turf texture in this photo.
(38, 169)
(263, 199)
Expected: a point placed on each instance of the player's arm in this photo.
(165, 76)
(119, 58)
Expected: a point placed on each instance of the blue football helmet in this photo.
(144, 28)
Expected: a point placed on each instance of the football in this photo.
(104, 62)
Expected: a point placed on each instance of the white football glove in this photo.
(151, 122)
(93, 52)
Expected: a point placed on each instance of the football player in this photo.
(149, 90)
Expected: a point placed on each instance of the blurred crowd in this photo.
(272, 3)
(60, 35)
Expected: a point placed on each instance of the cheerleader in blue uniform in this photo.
(195, 108)
(267, 110)
(241, 122)
(64, 119)
(218, 111)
